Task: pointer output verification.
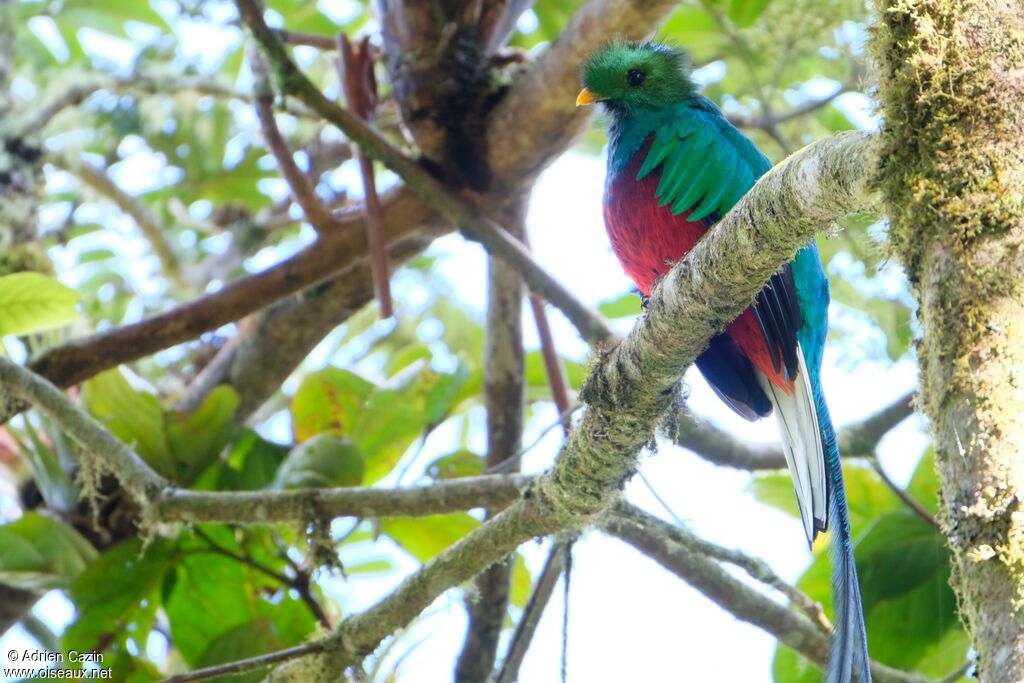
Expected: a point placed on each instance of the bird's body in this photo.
(675, 166)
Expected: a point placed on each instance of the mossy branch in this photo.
(633, 383)
(951, 83)
(686, 555)
(269, 507)
(162, 502)
(135, 475)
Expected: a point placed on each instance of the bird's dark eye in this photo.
(635, 77)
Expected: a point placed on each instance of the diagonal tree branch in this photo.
(857, 440)
(633, 384)
(628, 392)
(160, 500)
(149, 224)
(456, 209)
(272, 343)
(332, 253)
(299, 183)
(534, 610)
(682, 553)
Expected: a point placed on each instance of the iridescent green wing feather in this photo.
(706, 164)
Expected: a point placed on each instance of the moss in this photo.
(952, 177)
(23, 257)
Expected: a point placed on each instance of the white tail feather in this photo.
(801, 443)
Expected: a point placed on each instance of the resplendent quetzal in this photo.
(675, 166)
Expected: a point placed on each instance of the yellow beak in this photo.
(587, 97)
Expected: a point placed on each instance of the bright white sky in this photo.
(629, 619)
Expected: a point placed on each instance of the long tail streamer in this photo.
(849, 652)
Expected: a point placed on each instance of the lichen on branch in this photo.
(952, 179)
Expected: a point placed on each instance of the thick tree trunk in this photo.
(952, 88)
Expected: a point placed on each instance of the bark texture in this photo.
(952, 83)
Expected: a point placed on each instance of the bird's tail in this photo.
(812, 454)
(849, 652)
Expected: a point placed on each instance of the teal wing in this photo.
(706, 164)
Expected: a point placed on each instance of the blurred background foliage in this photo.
(152, 122)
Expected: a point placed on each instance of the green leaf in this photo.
(521, 582)
(898, 553)
(696, 28)
(117, 590)
(251, 464)
(904, 567)
(328, 400)
(135, 417)
(461, 463)
(425, 537)
(789, 667)
(210, 595)
(745, 12)
(39, 553)
(30, 302)
(95, 255)
(53, 481)
(248, 639)
(623, 306)
(867, 494)
(924, 484)
(196, 439)
(325, 460)
(537, 384)
(389, 425)
(903, 564)
(406, 356)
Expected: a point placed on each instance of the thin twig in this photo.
(301, 582)
(676, 550)
(302, 189)
(553, 366)
(243, 665)
(238, 557)
(532, 613)
(661, 501)
(907, 499)
(857, 440)
(592, 325)
(149, 224)
(355, 71)
(958, 674)
(509, 464)
(320, 42)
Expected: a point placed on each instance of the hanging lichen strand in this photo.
(952, 83)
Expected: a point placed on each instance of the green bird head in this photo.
(631, 77)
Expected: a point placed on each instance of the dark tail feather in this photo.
(849, 653)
